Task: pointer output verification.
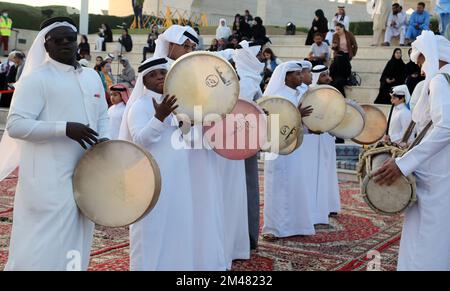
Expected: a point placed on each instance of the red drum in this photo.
(241, 134)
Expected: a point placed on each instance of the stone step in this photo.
(370, 79)
(363, 95)
(3, 115)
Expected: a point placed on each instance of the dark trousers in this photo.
(138, 16)
(251, 172)
(147, 50)
(4, 40)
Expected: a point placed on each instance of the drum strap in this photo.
(411, 126)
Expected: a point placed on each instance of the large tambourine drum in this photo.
(383, 199)
(285, 122)
(328, 106)
(374, 128)
(116, 183)
(353, 123)
(206, 81)
(241, 134)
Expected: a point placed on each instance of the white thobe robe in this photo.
(164, 239)
(115, 114)
(290, 185)
(425, 242)
(400, 121)
(49, 232)
(399, 28)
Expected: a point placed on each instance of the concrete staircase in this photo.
(3, 116)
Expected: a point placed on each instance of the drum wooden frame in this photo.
(375, 126)
(353, 123)
(131, 184)
(386, 200)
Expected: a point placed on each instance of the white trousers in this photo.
(99, 44)
(391, 32)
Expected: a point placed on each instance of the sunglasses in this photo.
(60, 40)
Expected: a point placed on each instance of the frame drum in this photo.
(116, 183)
(289, 127)
(328, 106)
(241, 134)
(203, 79)
(375, 127)
(353, 123)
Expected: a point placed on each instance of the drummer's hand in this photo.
(305, 112)
(167, 106)
(388, 173)
(81, 133)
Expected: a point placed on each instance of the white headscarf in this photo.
(175, 34)
(402, 90)
(434, 48)
(247, 64)
(316, 72)
(140, 91)
(223, 31)
(37, 55)
(277, 81)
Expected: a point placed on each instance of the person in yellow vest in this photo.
(5, 31)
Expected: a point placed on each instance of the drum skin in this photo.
(328, 106)
(388, 200)
(353, 123)
(289, 123)
(203, 79)
(241, 134)
(375, 126)
(116, 183)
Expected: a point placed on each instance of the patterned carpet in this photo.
(343, 245)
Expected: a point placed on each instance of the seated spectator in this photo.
(84, 49)
(413, 74)
(223, 31)
(344, 42)
(98, 62)
(419, 20)
(105, 35)
(214, 46)
(107, 79)
(128, 75)
(271, 62)
(259, 32)
(125, 41)
(396, 25)
(320, 52)
(151, 42)
(222, 44)
(394, 74)
(233, 42)
(248, 17)
(319, 25)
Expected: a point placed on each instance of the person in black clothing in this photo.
(126, 41)
(394, 74)
(84, 49)
(233, 42)
(340, 71)
(245, 31)
(98, 62)
(259, 32)
(319, 24)
(151, 41)
(413, 74)
(107, 35)
(214, 45)
(236, 24)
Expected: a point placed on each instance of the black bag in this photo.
(354, 80)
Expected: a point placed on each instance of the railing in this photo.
(172, 16)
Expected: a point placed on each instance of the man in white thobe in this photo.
(425, 243)
(396, 25)
(380, 15)
(53, 102)
(164, 239)
(328, 197)
(288, 191)
(204, 171)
